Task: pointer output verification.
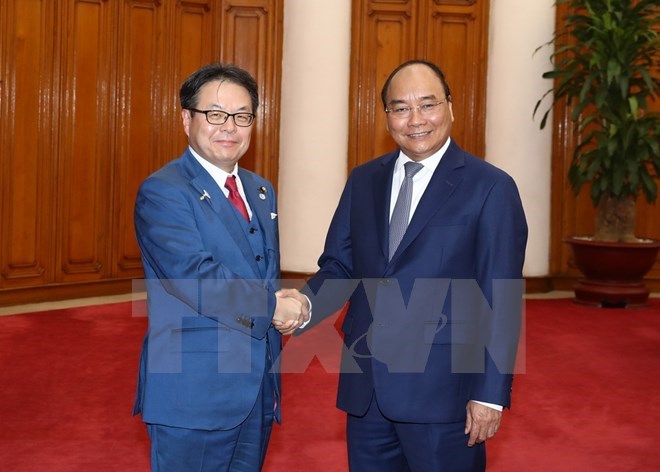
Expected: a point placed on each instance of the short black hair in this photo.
(430, 65)
(188, 94)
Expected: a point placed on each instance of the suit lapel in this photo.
(205, 185)
(382, 191)
(446, 178)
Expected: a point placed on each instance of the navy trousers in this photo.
(377, 444)
(241, 449)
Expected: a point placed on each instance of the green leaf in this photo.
(634, 106)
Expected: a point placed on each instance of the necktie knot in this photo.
(230, 184)
(411, 168)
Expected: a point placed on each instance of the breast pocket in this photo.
(454, 239)
(450, 222)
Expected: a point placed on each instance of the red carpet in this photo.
(67, 382)
(588, 400)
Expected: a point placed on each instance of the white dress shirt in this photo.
(420, 180)
(220, 177)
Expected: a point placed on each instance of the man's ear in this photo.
(186, 117)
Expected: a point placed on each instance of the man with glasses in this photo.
(436, 238)
(209, 386)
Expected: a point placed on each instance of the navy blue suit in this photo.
(211, 279)
(417, 324)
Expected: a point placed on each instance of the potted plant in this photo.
(606, 65)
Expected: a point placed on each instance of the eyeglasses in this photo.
(217, 117)
(401, 111)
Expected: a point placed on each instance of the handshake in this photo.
(291, 311)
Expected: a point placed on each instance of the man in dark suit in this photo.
(430, 243)
(209, 385)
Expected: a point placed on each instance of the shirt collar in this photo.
(430, 163)
(219, 175)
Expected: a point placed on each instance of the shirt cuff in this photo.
(490, 405)
(310, 312)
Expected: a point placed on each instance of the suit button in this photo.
(248, 323)
(253, 230)
(258, 258)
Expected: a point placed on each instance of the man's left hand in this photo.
(482, 422)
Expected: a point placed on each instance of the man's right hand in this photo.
(289, 314)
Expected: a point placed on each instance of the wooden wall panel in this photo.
(250, 26)
(648, 225)
(85, 142)
(89, 105)
(27, 166)
(648, 215)
(141, 121)
(383, 37)
(451, 33)
(457, 41)
(194, 25)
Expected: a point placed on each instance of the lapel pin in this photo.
(205, 195)
(262, 193)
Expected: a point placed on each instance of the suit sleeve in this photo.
(331, 286)
(501, 242)
(178, 263)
